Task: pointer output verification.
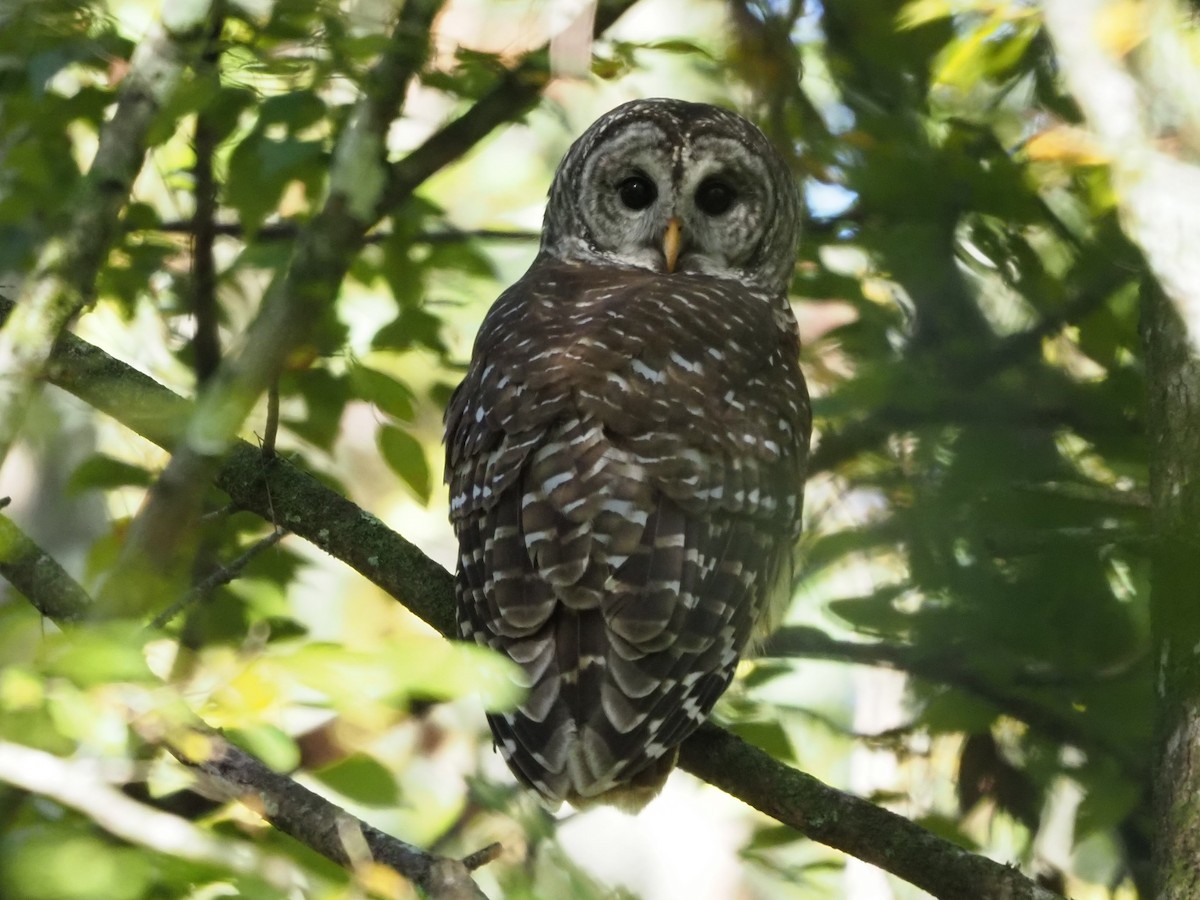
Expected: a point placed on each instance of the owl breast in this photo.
(626, 464)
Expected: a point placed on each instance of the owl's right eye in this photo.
(637, 192)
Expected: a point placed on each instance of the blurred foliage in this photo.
(978, 500)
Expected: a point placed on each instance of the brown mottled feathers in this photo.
(626, 464)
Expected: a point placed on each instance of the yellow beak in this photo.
(672, 241)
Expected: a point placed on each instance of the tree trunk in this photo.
(1173, 381)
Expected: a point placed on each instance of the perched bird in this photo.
(626, 453)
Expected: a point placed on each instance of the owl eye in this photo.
(714, 196)
(637, 192)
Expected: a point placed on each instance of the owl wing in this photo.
(626, 463)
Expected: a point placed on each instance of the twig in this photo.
(219, 576)
(284, 231)
(1017, 699)
(349, 533)
(206, 343)
(75, 784)
(511, 97)
(837, 447)
(62, 281)
(271, 428)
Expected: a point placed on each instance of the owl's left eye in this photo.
(714, 196)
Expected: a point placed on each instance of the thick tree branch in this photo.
(864, 830)
(342, 529)
(63, 278)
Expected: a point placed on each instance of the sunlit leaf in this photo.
(393, 397)
(363, 779)
(271, 745)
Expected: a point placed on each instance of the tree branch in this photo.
(848, 823)
(287, 230)
(326, 828)
(37, 575)
(349, 533)
(1011, 696)
(63, 277)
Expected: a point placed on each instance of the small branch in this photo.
(62, 281)
(317, 823)
(77, 785)
(271, 428)
(848, 823)
(219, 576)
(838, 447)
(286, 231)
(206, 343)
(1014, 696)
(349, 533)
(512, 96)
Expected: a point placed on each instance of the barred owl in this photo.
(626, 453)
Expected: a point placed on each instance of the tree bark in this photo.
(1173, 382)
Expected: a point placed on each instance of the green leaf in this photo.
(406, 457)
(363, 779)
(392, 397)
(100, 472)
(273, 746)
(767, 736)
(99, 654)
(261, 167)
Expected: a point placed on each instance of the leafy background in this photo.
(969, 639)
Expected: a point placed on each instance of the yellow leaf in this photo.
(918, 12)
(196, 746)
(878, 290)
(1121, 26)
(1065, 143)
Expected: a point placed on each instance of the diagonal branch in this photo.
(326, 828)
(837, 819)
(278, 491)
(62, 281)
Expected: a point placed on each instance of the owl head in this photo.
(669, 186)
